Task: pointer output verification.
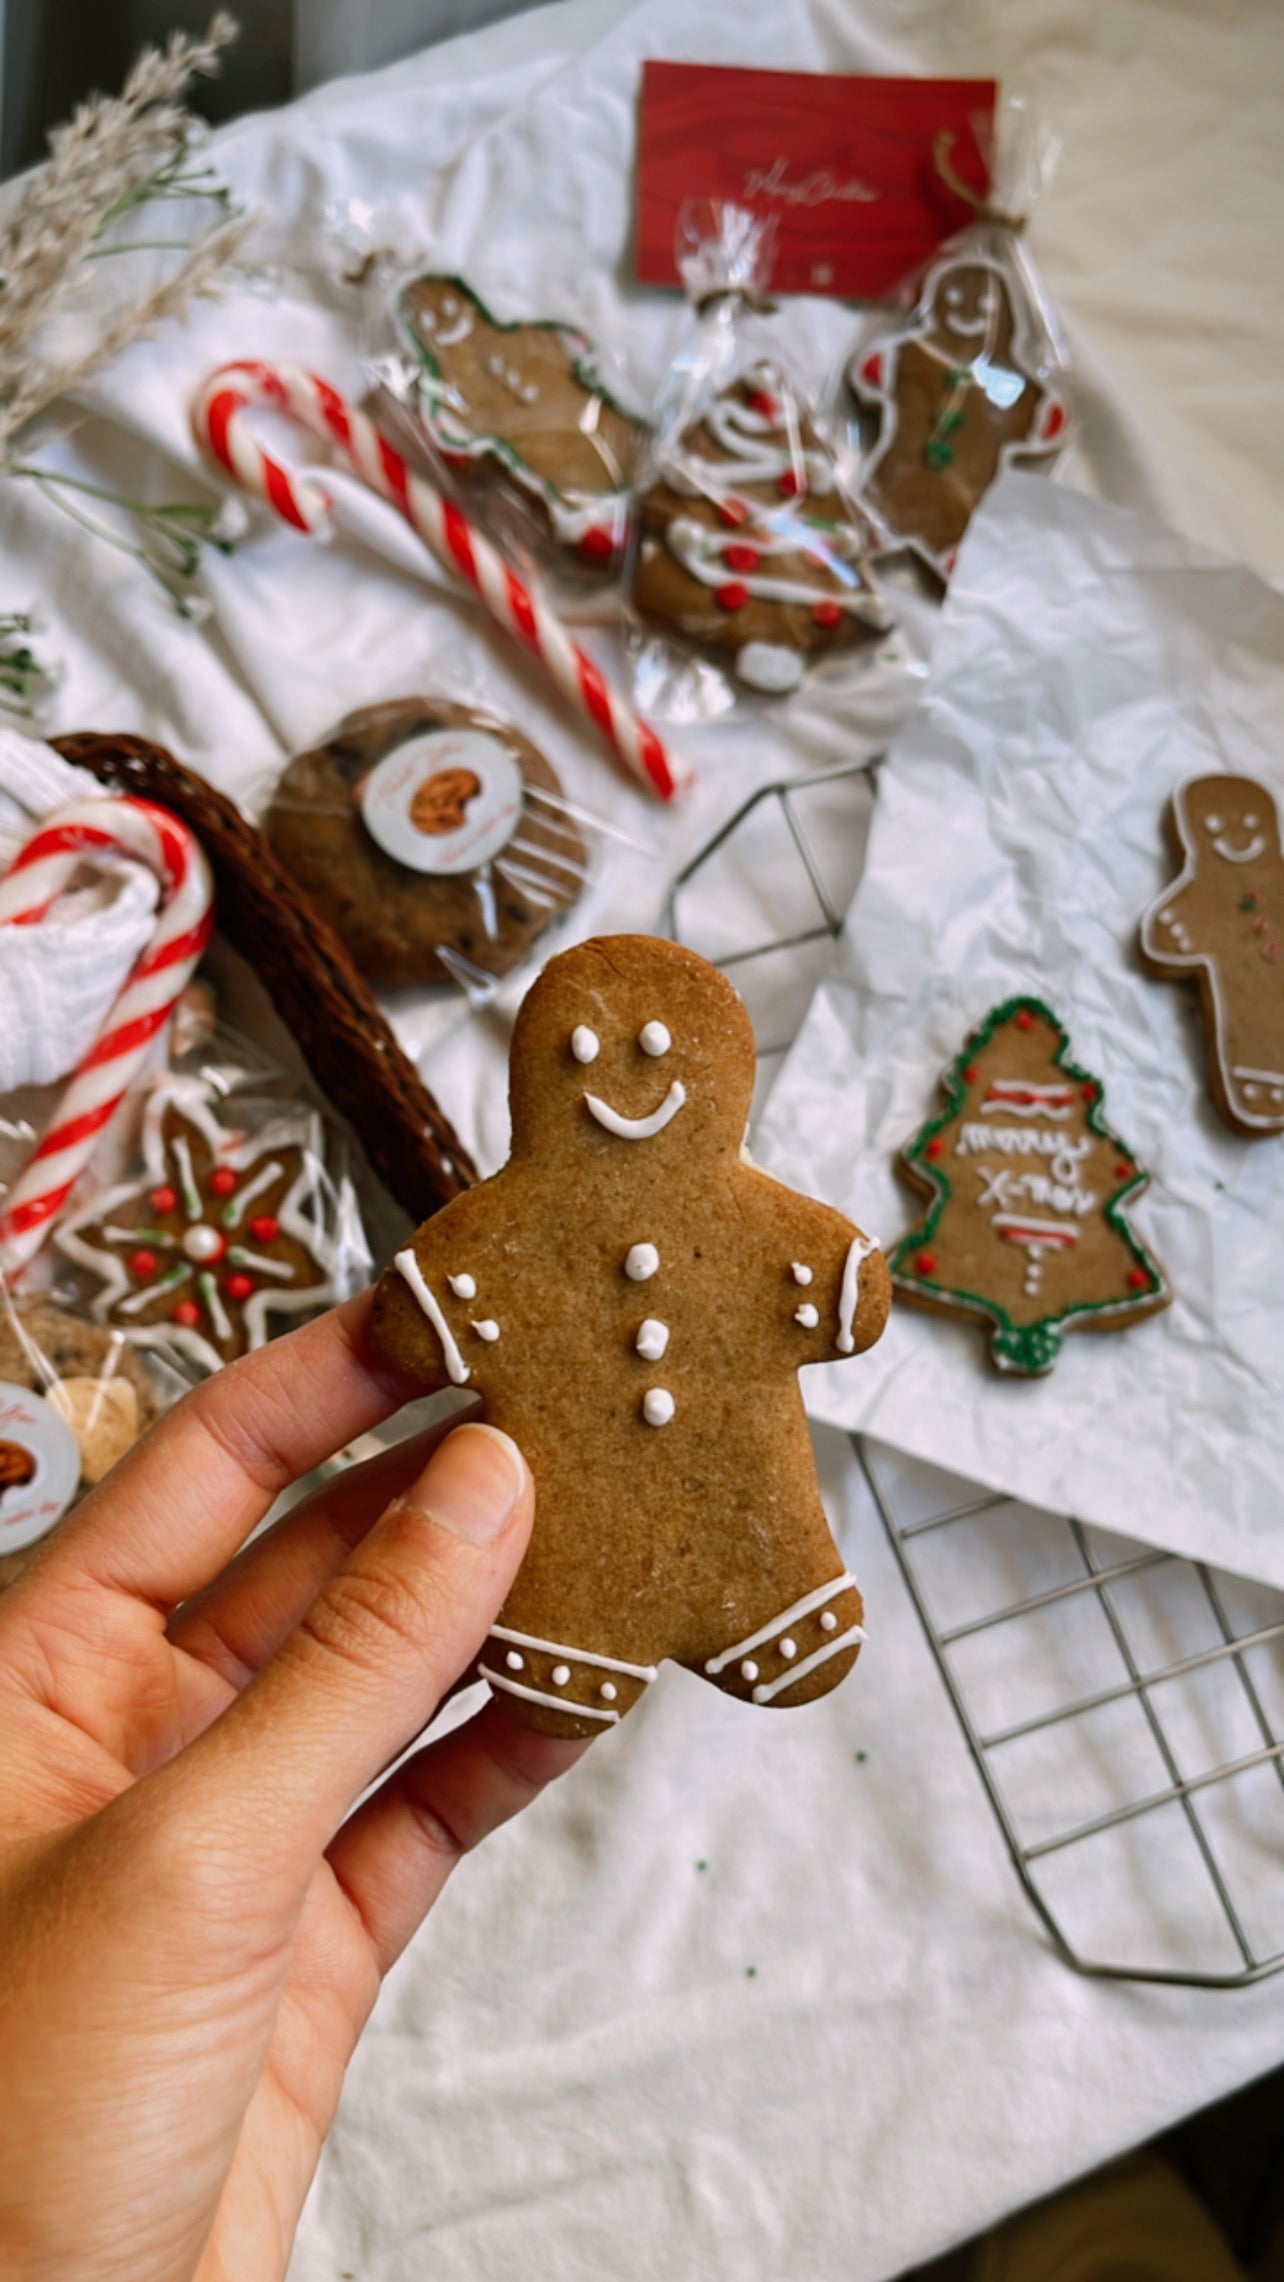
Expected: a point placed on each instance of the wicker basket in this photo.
(307, 973)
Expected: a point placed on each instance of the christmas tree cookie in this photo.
(1026, 1227)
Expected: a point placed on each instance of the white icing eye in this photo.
(1212, 824)
(1248, 822)
(954, 296)
(653, 1038)
(585, 1043)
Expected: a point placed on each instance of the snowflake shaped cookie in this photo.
(220, 1233)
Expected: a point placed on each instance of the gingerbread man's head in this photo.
(971, 313)
(627, 1040)
(1231, 818)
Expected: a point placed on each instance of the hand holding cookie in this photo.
(633, 1301)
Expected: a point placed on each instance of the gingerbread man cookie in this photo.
(955, 401)
(433, 837)
(524, 400)
(748, 548)
(218, 1234)
(1222, 924)
(633, 1299)
(1026, 1228)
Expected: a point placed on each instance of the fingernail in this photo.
(473, 1483)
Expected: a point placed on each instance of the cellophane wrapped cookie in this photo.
(524, 417)
(227, 1215)
(435, 838)
(74, 1397)
(970, 374)
(749, 555)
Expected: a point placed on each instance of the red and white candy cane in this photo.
(219, 419)
(37, 877)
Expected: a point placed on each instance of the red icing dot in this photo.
(934, 1148)
(238, 1286)
(734, 512)
(222, 1181)
(187, 1313)
(871, 372)
(968, 1075)
(741, 558)
(265, 1228)
(926, 1264)
(763, 402)
(1124, 1172)
(164, 1200)
(143, 1264)
(1054, 421)
(1138, 1278)
(827, 613)
(1091, 1090)
(1025, 1020)
(732, 596)
(597, 545)
(791, 484)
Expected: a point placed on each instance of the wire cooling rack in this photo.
(1123, 1708)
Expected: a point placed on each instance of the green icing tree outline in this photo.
(1029, 1349)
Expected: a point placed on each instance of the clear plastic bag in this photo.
(436, 839)
(751, 560)
(526, 420)
(226, 1215)
(972, 374)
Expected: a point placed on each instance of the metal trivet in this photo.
(1152, 1665)
(1131, 1597)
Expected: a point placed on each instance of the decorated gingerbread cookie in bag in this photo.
(970, 380)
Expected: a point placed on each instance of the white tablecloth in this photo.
(574, 2064)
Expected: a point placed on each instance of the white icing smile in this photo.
(1247, 855)
(638, 1128)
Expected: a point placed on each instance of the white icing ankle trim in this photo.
(410, 1269)
(645, 1672)
(766, 1689)
(787, 1616)
(637, 1128)
(537, 1696)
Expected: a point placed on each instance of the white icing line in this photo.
(792, 1615)
(137, 1301)
(537, 1696)
(766, 1689)
(235, 1212)
(217, 1312)
(409, 1268)
(859, 1249)
(1051, 1231)
(187, 1178)
(638, 1128)
(241, 1258)
(1249, 855)
(577, 1655)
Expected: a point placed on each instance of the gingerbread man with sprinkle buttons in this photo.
(632, 1299)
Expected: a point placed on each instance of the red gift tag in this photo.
(844, 164)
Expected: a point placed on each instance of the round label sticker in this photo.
(444, 802)
(39, 1466)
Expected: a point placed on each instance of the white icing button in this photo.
(807, 1316)
(658, 1406)
(463, 1287)
(800, 1273)
(829, 1622)
(653, 1038)
(608, 1691)
(203, 1243)
(749, 1670)
(487, 1329)
(513, 1660)
(585, 1043)
(769, 666)
(642, 1262)
(560, 1675)
(652, 1339)
(788, 1649)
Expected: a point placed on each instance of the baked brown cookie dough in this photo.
(955, 399)
(1221, 924)
(474, 793)
(523, 401)
(100, 1395)
(633, 1299)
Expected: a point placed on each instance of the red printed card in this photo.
(844, 164)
